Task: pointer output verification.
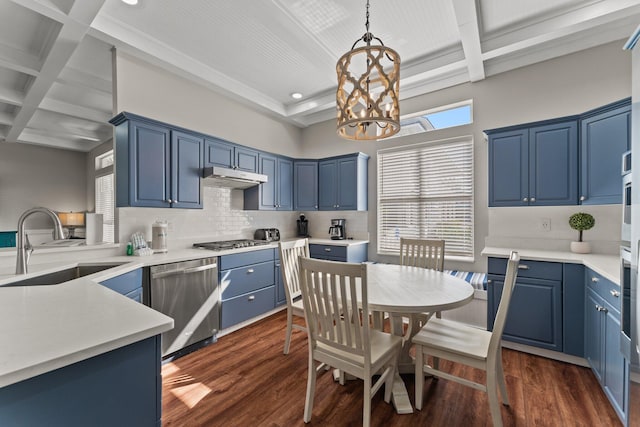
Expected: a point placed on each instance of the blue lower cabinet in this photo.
(128, 284)
(573, 300)
(535, 311)
(350, 253)
(122, 387)
(602, 341)
(248, 284)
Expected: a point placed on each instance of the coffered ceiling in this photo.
(55, 55)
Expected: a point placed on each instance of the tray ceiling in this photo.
(55, 55)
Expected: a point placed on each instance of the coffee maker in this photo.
(338, 230)
(303, 226)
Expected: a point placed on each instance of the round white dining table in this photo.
(404, 292)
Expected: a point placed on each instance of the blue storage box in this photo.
(8, 239)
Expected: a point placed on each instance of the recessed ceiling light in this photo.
(296, 95)
(130, 2)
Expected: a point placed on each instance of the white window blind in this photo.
(425, 191)
(105, 195)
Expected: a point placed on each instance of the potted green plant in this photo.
(581, 221)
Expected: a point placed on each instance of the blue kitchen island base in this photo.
(122, 387)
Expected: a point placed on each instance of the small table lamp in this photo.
(71, 220)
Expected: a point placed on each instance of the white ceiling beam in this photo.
(560, 26)
(72, 135)
(19, 60)
(66, 42)
(75, 110)
(467, 18)
(48, 141)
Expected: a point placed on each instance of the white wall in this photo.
(32, 176)
(151, 92)
(564, 86)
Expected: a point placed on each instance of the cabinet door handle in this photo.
(523, 267)
(489, 281)
(169, 201)
(595, 279)
(582, 198)
(327, 249)
(250, 270)
(533, 199)
(526, 199)
(251, 298)
(315, 206)
(614, 293)
(601, 308)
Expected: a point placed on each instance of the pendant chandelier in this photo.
(368, 88)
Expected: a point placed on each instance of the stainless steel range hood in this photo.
(231, 178)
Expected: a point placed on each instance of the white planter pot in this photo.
(581, 247)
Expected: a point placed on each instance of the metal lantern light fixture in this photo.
(368, 88)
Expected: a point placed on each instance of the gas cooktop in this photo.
(230, 244)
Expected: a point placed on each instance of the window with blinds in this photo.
(425, 191)
(105, 195)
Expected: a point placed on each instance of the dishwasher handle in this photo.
(184, 271)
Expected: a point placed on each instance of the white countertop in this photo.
(43, 328)
(606, 265)
(345, 242)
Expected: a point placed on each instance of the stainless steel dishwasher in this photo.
(188, 292)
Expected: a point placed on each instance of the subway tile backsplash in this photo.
(223, 218)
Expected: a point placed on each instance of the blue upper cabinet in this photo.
(553, 164)
(342, 183)
(509, 168)
(534, 165)
(305, 185)
(229, 155)
(155, 165)
(277, 192)
(605, 134)
(186, 166)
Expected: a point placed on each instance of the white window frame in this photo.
(466, 102)
(108, 225)
(466, 244)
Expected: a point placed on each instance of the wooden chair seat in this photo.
(454, 337)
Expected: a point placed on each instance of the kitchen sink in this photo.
(61, 276)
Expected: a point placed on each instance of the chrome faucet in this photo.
(24, 246)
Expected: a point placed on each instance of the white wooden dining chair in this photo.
(340, 334)
(457, 342)
(290, 251)
(425, 253)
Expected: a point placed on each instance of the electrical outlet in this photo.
(545, 224)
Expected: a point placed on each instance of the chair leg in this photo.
(419, 362)
(492, 393)
(501, 381)
(366, 404)
(287, 337)
(311, 388)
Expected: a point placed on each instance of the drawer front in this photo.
(526, 268)
(125, 283)
(245, 258)
(245, 279)
(605, 288)
(247, 306)
(335, 253)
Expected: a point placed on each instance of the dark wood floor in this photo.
(245, 380)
